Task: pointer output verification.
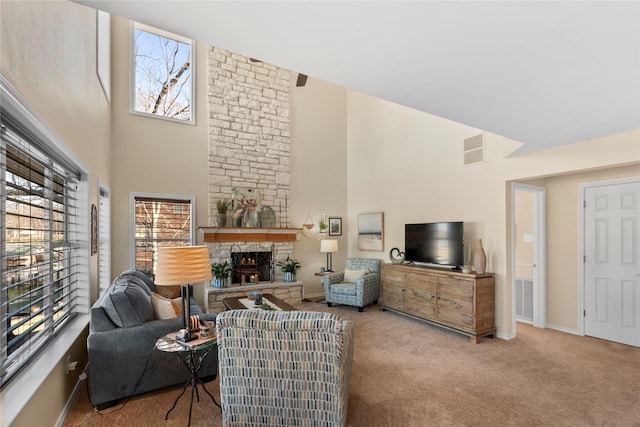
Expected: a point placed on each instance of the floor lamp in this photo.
(183, 265)
(329, 246)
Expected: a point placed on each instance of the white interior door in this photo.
(612, 262)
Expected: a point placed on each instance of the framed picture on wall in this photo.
(371, 231)
(335, 226)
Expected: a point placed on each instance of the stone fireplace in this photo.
(249, 149)
(249, 136)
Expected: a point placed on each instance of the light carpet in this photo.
(408, 373)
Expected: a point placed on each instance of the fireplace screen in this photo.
(251, 267)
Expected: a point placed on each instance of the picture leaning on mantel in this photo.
(371, 231)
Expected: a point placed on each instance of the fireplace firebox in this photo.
(252, 267)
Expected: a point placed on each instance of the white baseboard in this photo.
(67, 406)
(505, 336)
(563, 329)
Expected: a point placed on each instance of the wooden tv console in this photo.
(464, 303)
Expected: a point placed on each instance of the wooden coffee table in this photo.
(235, 304)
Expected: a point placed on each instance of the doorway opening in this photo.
(528, 226)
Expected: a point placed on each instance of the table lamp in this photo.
(329, 246)
(183, 265)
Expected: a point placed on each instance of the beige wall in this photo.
(158, 156)
(153, 155)
(318, 171)
(563, 264)
(49, 56)
(409, 165)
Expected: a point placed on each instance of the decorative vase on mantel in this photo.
(479, 258)
(238, 216)
(250, 219)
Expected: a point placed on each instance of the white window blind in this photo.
(40, 246)
(104, 239)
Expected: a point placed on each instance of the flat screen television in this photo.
(437, 243)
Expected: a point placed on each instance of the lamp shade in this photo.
(328, 245)
(180, 265)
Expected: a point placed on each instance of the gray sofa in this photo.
(122, 336)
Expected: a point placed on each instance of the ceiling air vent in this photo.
(474, 150)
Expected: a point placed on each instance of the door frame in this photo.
(539, 216)
(582, 189)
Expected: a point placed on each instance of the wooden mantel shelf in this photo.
(234, 234)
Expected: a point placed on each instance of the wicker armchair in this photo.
(359, 293)
(284, 368)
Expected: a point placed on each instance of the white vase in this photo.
(479, 258)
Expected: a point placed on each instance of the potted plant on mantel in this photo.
(220, 272)
(222, 206)
(289, 267)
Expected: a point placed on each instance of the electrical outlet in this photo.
(71, 366)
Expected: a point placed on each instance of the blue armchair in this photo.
(358, 285)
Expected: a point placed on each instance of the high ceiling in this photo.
(544, 73)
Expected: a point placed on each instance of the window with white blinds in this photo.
(104, 238)
(40, 245)
(160, 221)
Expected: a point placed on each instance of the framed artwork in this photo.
(371, 231)
(335, 226)
(94, 229)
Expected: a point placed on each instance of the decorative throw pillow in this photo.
(350, 276)
(166, 308)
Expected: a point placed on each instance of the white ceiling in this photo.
(544, 73)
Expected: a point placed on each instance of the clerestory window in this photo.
(162, 74)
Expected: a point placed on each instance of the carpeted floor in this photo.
(407, 373)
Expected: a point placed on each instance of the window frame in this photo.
(132, 72)
(165, 197)
(25, 382)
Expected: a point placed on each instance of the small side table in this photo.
(323, 273)
(188, 354)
